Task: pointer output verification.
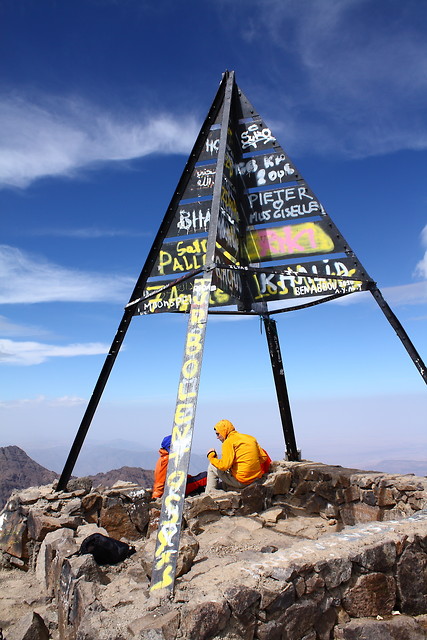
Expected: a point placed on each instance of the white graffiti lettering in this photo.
(254, 136)
(212, 146)
(193, 220)
(205, 177)
(267, 169)
(273, 205)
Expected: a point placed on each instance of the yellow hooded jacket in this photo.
(241, 454)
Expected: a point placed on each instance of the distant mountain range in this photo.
(417, 467)
(102, 457)
(19, 471)
(138, 476)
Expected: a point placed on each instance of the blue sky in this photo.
(100, 103)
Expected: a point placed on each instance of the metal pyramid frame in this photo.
(243, 234)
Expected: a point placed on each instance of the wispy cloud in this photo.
(421, 267)
(415, 293)
(352, 75)
(48, 136)
(406, 294)
(29, 353)
(29, 279)
(64, 401)
(90, 233)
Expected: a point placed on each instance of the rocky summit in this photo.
(19, 471)
(313, 552)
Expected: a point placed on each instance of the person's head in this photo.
(223, 428)
(166, 443)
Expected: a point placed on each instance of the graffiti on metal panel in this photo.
(229, 163)
(283, 203)
(227, 230)
(260, 171)
(228, 280)
(181, 256)
(194, 220)
(256, 136)
(177, 298)
(274, 243)
(191, 218)
(170, 517)
(211, 146)
(228, 201)
(227, 235)
(201, 182)
(271, 286)
(205, 177)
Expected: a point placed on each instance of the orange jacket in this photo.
(160, 473)
(241, 454)
(193, 482)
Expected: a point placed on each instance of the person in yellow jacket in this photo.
(242, 460)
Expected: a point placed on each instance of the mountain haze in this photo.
(99, 457)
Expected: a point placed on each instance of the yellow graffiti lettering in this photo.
(177, 266)
(197, 246)
(181, 414)
(276, 242)
(165, 580)
(228, 201)
(219, 296)
(165, 258)
(164, 559)
(176, 479)
(164, 542)
(195, 262)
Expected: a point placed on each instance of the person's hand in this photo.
(211, 451)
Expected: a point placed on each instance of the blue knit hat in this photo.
(166, 443)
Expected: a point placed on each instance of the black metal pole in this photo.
(281, 388)
(401, 333)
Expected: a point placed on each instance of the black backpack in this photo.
(106, 550)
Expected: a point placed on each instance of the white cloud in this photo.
(90, 233)
(29, 353)
(40, 400)
(28, 279)
(414, 293)
(67, 401)
(48, 136)
(346, 76)
(421, 267)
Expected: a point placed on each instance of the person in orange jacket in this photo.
(242, 460)
(161, 467)
(195, 484)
